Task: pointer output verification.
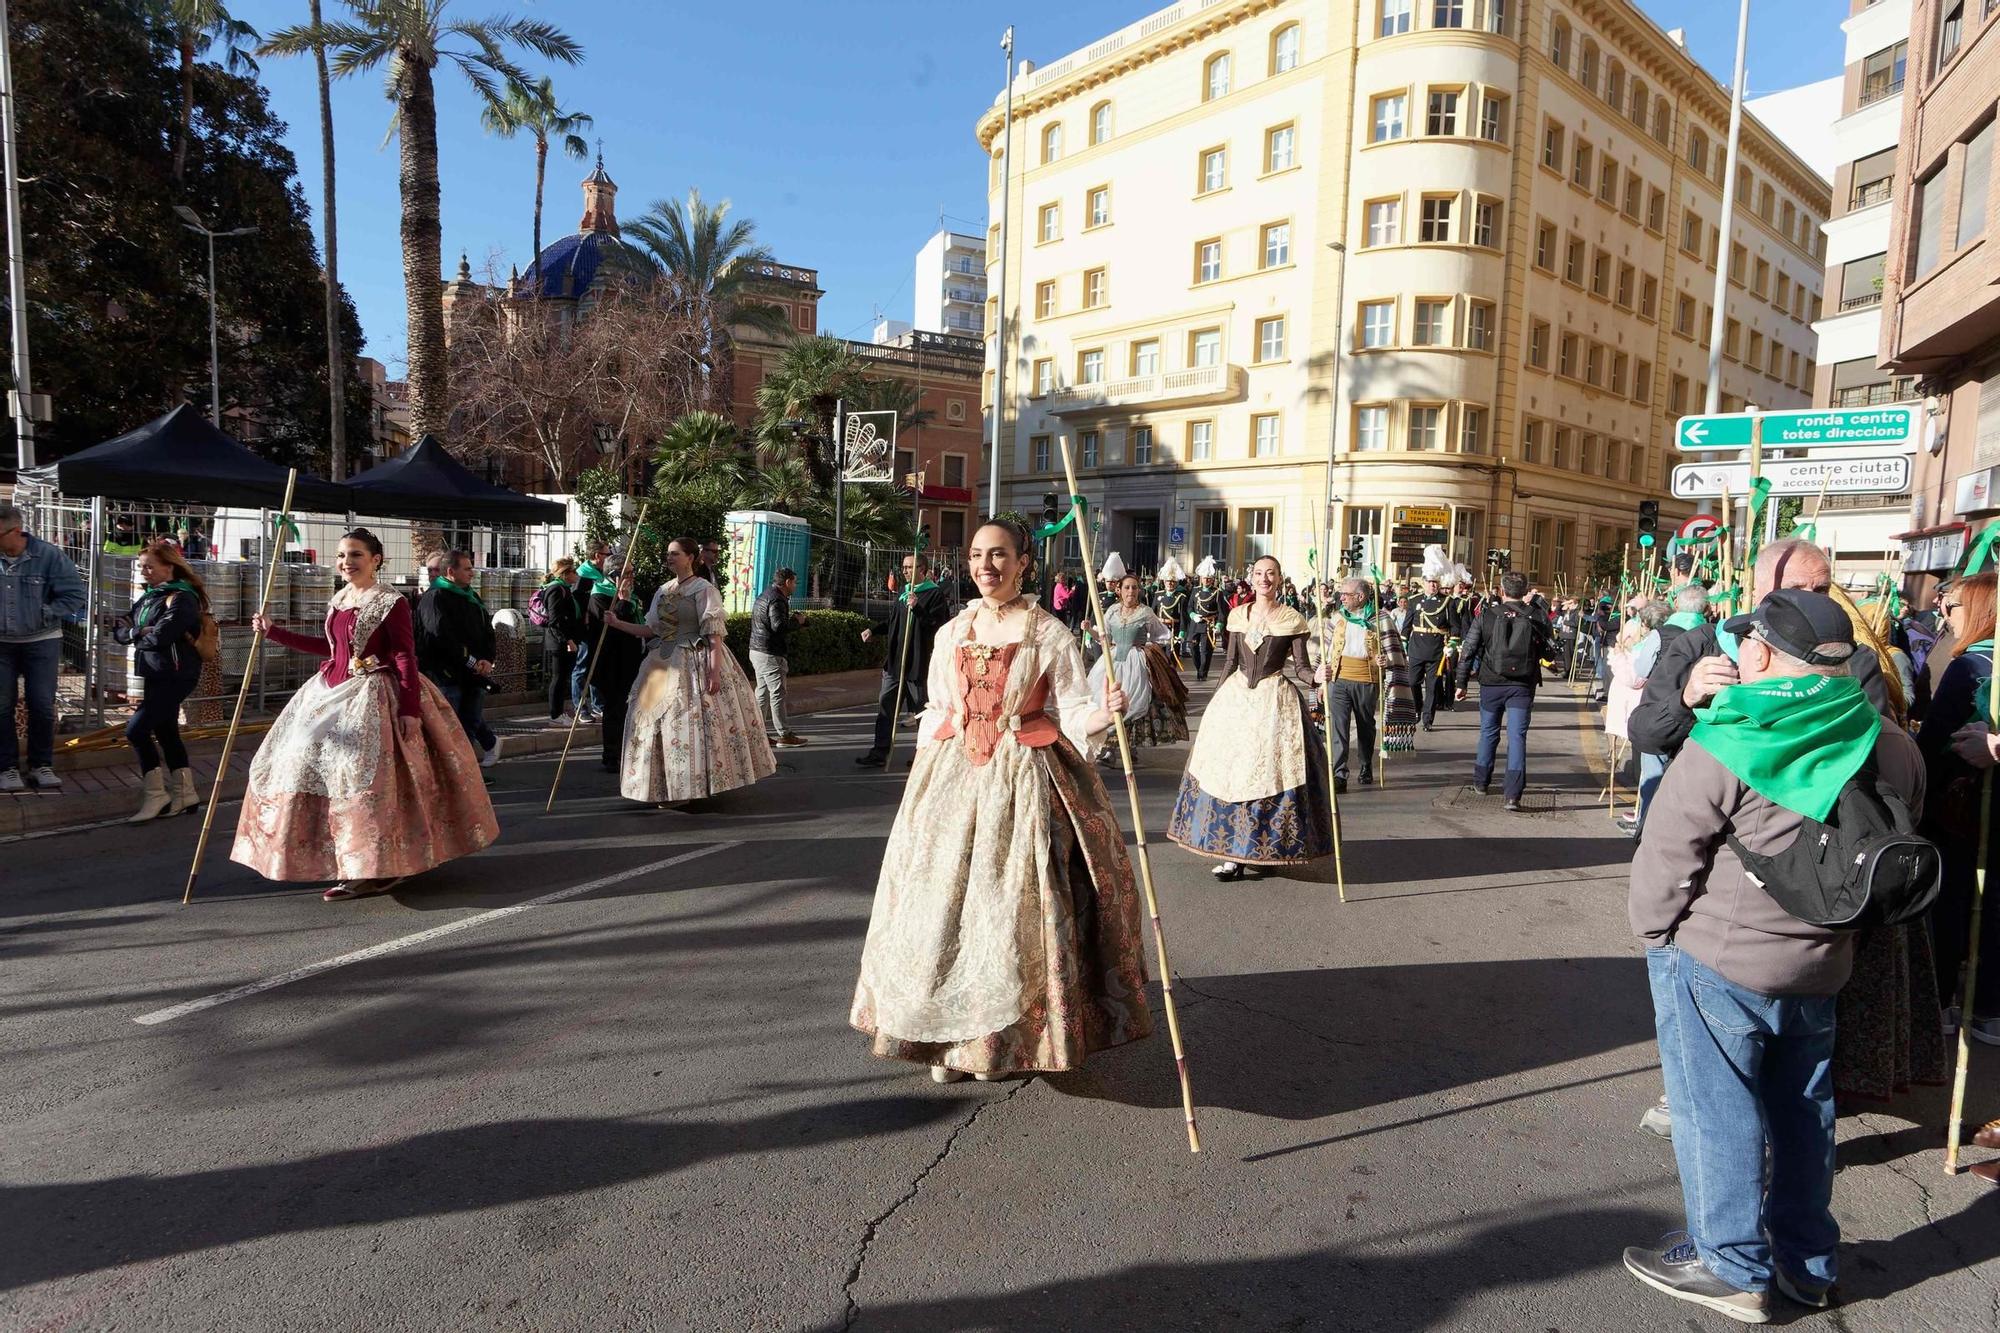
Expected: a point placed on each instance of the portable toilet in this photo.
(759, 543)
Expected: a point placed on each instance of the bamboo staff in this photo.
(1138, 823)
(909, 630)
(242, 690)
(1326, 613)
(1382, 702)
(596, 654)
(1966, 1010)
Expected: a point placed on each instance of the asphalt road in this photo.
(639, 1105)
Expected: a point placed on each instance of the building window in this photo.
(1566, 356)
(1201, 440)
(1698, 151)
(1142, 446)
(1593, 363)
(1663, 122)
(1089, 443)
(1378, 323)
(1545, 246)
(1973, 185)
(1435, 223)
(1045, 377)
(1278, 155)
(1384, 222)
(1045, 300)
(1649, 296)
(1552, 146)
(1591, 460)
(1050, 227)
(1684, 315)
(1095, 285)
(1100, 206)
(1271, 338)
(1472, 430)
(1496, 16)
(1285, 49)
(1633, 188)
(1146, 357)
(1426, 424)
(1259, 534)
(1479, 325)
(1447, 13)
(1277, 244)
(1579, 174)
(1214, 169)
(1493, 119)
(1531, 441)
(1215, 77)
(1656, 209)
(1041, 447)
(1600, 274)
(1642, 382)
(1395, 18)
(1371, 429)
(1559, 42)
(1264, 436)
(1051, 142)
(1387, 117)
(1628, 278)
(1620, 362)
(1691, 230)
(1951, 31)
(1100, 123)
(1538, 345)
(1212, 535)
(1930, 223)
(1427, 327)
(1442, 116)
(1573, 262)
(1607, 183)
(1486, 223)
(1614, 84)
(954, 470)
(1677, 394)
(1559, 453)
(1090, 366)
(1205, 347)
(1586, 64)
(1207, 260)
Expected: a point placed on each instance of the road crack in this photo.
(1182, 983)
(1965, 1261)
(875, 1224)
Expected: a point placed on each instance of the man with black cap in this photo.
(1743, 991)
(1427, 624)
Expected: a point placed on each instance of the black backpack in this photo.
(1514, 639)
(1864, 866)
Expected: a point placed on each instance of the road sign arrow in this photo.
(1696, 433)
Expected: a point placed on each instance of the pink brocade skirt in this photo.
(337, 792)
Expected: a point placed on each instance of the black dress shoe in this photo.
(1340, 786)
(873, 759)
(1367, 779)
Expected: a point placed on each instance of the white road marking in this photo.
(185, 1008)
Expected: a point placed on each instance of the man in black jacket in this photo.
(1207, 612)
(1508, 640)
(771, 623)
(1427, 624)
(455, 646)
(920, 613)
(619, 666)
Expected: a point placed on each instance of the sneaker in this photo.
(1482, 789)
(1658, 1119)
(1513, 805)
(1676, 1268)
(1985, 1030)
(10, 780)
(789, 739)
(1805, 1293)
(44, 779)
(490, 755)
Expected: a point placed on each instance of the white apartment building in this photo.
(1526, 195)
(951, 284)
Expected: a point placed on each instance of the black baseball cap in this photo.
(1797, 622)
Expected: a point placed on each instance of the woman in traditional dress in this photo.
(1005, 935)
(1254, 793)
(1155, 696)
(162, 629)
(692, 728)
(367, 776)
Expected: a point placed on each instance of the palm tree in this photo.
(888, 394)
(811, 376)
(705, 262)
(702, 451)
(198, 25)
(412, 38)
(533, 109)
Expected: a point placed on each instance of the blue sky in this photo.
(841, 127)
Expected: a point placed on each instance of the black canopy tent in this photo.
(427, 482)
(182, 457)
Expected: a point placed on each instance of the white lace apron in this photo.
(328, 740)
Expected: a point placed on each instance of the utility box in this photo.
(757, 544)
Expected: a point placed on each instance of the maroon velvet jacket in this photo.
(393, 645)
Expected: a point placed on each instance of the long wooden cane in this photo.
(1326, 614)
(242, 690)
(903, 655)
(1138, 827)
(596, 656)
(1965, 1012)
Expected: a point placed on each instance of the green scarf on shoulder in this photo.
(1687, 620)
(155, 598)
(600, 585)
(1792, 740)
(442, 582)
(1365, 619)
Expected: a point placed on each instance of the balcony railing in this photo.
(1200, 383)
(965, 266)
(1861, 302)
(1879, 86)
(1874, 192)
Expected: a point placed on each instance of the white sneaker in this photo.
(44, 778)
(490, 755)
(1985, 1030)
(10, 780)
(941, 1074)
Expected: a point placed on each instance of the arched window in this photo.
(1285, 48)
(1215, 77)
(1559, 41)
(1639, 102)
(1100, 123)
(1663, 121)
(1614, 84)
(1586, 64)
(1052, 142)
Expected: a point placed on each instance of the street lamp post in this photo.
(1000, 330)
(17, 264)
(192, 221)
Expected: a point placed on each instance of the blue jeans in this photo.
(1517, 701)
(469, 702)
(1742, 1068)
(584, 648)
(29, 666)
(1652, 767)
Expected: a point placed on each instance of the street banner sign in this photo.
(868, 448)
(1852, 474)
(1881, 428)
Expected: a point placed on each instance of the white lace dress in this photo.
(681, 742)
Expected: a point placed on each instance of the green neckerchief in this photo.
(1793, 740)
(1982, 681)
(442, 582)
(149, 604)
(1687, 619)
(599, 584)
(925, 586)
(1366, 619)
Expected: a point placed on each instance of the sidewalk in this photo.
(103, 785)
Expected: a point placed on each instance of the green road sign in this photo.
(1880, 427)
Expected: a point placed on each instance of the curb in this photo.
(46, 812)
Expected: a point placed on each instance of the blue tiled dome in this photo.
(571, 265)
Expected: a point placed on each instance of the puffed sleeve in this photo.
(1157, 631)
(653, 621)
(713, 620)
(941, 690)
(1069, 690)
(396, 643)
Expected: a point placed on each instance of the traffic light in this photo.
(1499, 557)
(1649, 522)
(1051, 511)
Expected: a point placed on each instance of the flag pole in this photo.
(1326, 613)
